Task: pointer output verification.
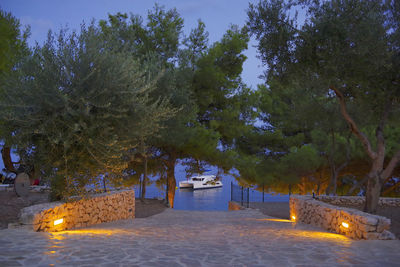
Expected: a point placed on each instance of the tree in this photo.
(197, 79)
(13, 44)
(159, 40)
(348, 50)
(78, 106)
(12, 48)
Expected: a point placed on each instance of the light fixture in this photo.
(345, 225)
(59, 221)
(293, 217)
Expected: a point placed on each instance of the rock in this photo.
(367, 227)
(15, 225)
(369, 219)
(27, 214)
(386, 235)
(383, 224)
(371, 235)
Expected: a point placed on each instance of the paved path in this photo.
(194, 238)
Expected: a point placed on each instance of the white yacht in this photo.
(201, 182)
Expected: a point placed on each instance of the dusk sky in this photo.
(43, 15)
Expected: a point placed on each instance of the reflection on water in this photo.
(204, 199)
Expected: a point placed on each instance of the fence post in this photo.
(263, 192)
(241, 203)
(248, 197)
(140, 186)
(231, 191)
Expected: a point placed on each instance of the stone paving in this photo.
(194, 238)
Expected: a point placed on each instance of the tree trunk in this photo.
(171, 182)
(332, 187)
(378, 174)
(373, 193)
(144, 179)
(303, 186)
(6, 156)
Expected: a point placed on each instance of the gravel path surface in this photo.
(11, 204)
(194, 238)
(273, 209)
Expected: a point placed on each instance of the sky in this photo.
(217, 15)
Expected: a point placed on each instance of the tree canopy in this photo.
(346, 51)
(78, 106)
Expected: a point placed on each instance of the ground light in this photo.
(345, 225)
(59, 221)
(293, 218)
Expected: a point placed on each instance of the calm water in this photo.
(207, 199)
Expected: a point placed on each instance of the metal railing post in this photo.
(140, 186)
(231, 191)
(241, 203)
(248, 197)
(263, 192)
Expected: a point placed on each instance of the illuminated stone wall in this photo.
(106, 207)
(361, 225)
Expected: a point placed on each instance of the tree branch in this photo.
(353, 126)
(380, 138)
(391, 188)
(357, 185)
(391, 166)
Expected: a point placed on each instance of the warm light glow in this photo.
(59, 221)
(328, 237)
(293, 218)
(345, 225)
(274, 220)
(60, 235)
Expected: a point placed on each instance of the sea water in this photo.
(207, 199)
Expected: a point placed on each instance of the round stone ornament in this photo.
(22, 184)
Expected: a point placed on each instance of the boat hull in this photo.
(201, 182)
(185, 185)
(208, 187)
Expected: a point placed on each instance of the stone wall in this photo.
(355, 201)
(234, 206)
(361, 225)
(101, 208)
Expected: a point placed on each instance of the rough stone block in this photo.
(386, 235)
(369, 219)
(367, 227)
(371, 235)
(383, 224)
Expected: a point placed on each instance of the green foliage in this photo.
(346, 44)
(203, 83)
(159, 37)
(80, 106)
(58, 188)
(351, 46)
(13, 41)
(299, 162)
(106, 89)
